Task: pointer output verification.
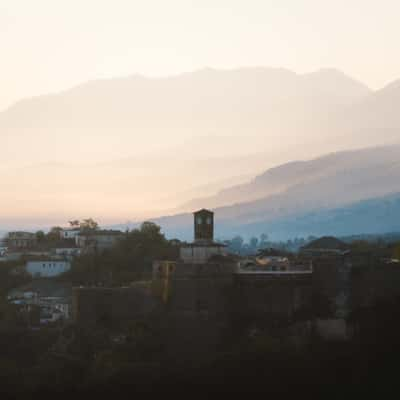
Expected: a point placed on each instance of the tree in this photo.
(40, 236)
(263, 240)
(129, 260)
(88, 225)
(253, 243)
(54, 233)
(236, 244)
(150, 229)
(74, 223)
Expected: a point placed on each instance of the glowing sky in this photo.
(50, 45)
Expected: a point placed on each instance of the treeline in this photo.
(386, 238)
(128, 260)
(254, 245)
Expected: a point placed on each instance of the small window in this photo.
(199, 221)
(208, 220)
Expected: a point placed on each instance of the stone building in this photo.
(196, 291)
(203, 247)
(373, 279)
(99, 240)
(200, 297)
(21, 240)
(331, 278)
(206, 289)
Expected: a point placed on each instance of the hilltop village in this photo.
(89, 295)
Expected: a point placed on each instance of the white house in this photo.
(72, 233)
(47, 269)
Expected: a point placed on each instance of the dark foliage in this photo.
(94, 364)
(129, 260)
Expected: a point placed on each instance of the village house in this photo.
(21, 240)
(98, 240)
(70, 233)
(50, 298)
(47, 268)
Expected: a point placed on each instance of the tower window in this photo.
(199, 220)
(208, 220)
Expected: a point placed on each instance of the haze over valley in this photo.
(133, 148)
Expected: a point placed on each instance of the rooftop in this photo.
(326, 243)
(204, 243)
(203, 211)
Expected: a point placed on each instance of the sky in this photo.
(47, 46)
(51, 45)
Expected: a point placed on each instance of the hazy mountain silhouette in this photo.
(373, 216)
(98, 120)
(177, 138)
(370, 172)
(374, 119)
(294, 189)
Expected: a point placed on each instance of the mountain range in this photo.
(136, 147)
(251, 109)
(301, 197)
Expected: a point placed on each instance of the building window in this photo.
(199, 221)
(208, 220)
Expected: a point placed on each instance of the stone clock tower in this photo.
(203, 226)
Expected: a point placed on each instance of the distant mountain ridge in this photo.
(368, 217)
(168, 136)
(330, 182)
(373, 216)
(104, 118)
(371, 164)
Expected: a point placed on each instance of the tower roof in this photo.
(203, 211)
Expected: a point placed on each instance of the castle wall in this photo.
(375, 282)
(272, 294)
(332, 282)
(197, 307)
(108, 305)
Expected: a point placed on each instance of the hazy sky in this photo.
(49, 45)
